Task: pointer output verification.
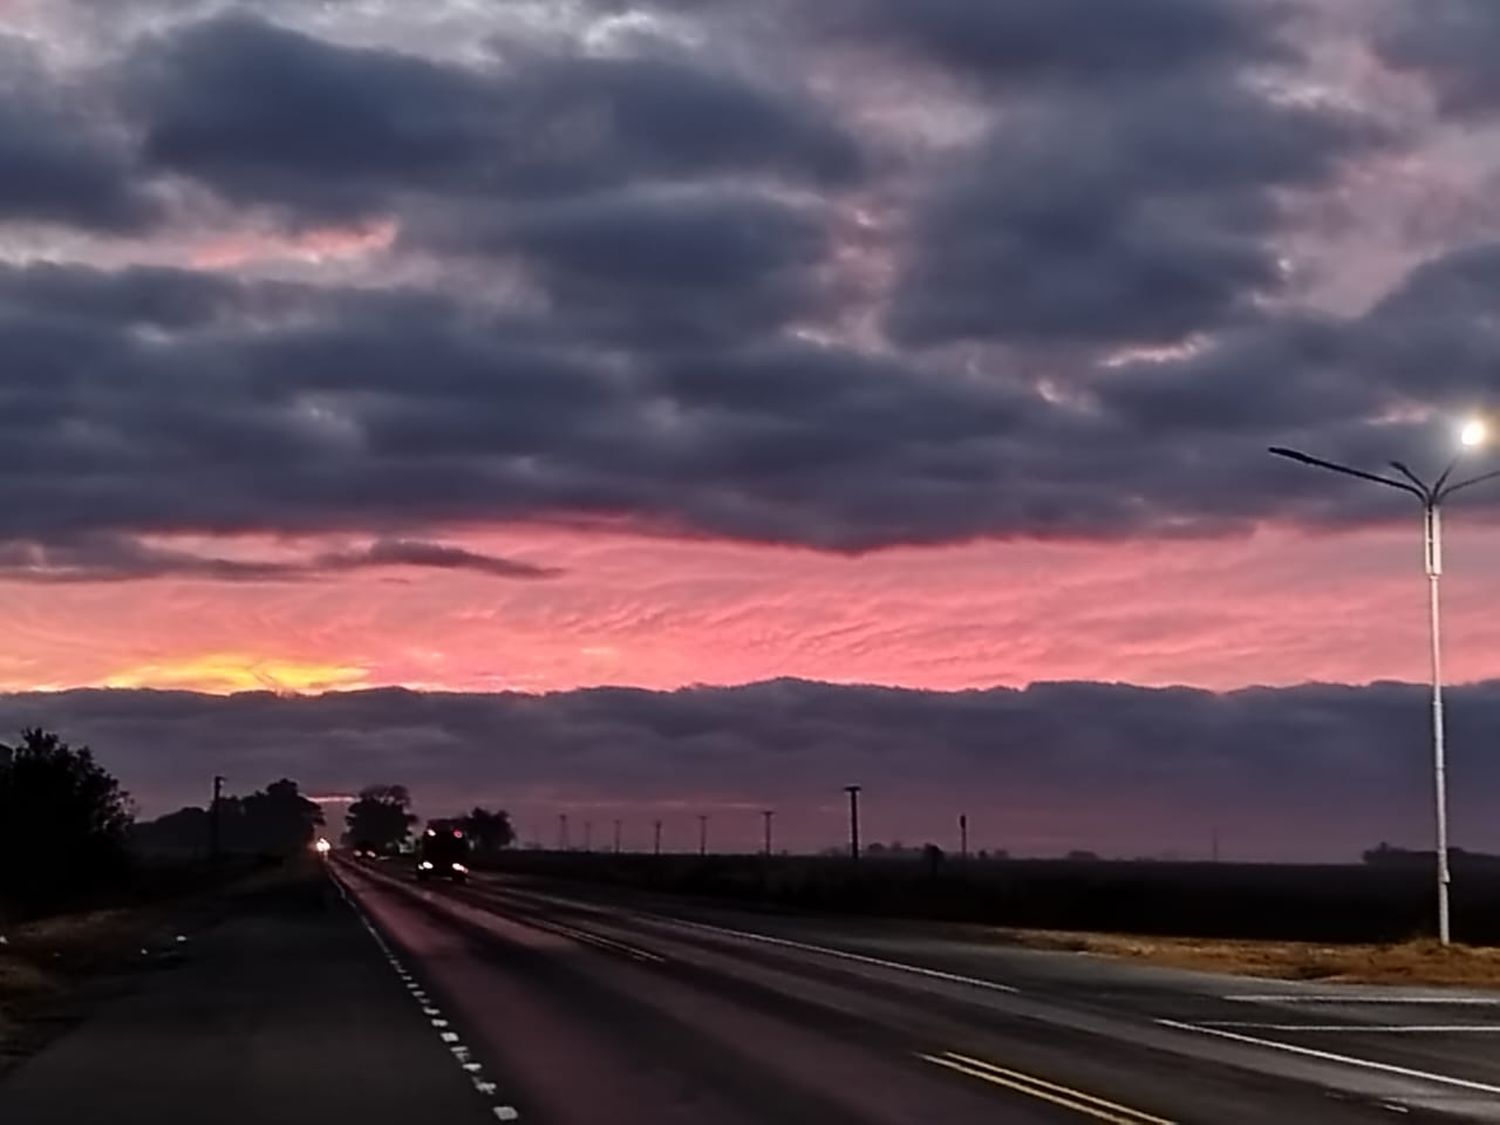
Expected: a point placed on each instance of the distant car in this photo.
(442, 853)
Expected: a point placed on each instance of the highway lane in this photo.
(586, 1030)
(1447, 1036)
(590, 1006)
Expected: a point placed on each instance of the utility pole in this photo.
(702, 834)
(853, 791)
(963, 837)
(768, 814)
(588, 835)
(617, 837)
(656, 841)
(214, 842)
(562, 832)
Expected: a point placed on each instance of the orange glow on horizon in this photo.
(226, 673)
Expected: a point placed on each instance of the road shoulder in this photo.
(288, 1012)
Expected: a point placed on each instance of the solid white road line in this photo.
(1330, 1056)
(1393, 1028)
(1362, 998)
(844, 954)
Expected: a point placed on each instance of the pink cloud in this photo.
(319, 244)
(1278, 608)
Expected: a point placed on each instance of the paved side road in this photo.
(289, 1012)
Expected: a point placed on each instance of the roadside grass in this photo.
(43, 962)
(1419, 961)
(48, 965)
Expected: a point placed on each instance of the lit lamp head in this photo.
(1474, 433)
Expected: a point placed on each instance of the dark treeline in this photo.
(381, 821)
(68, 837)
(1383, 855)
(277, 821)
(63, 822)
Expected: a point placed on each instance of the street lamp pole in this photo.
(1432, 535)
(768, 814)
(1432, 495)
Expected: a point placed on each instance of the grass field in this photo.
(1421, 961)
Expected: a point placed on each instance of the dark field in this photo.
(1328, 903)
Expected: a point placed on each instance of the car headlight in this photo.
(424, 866)
(460, 868)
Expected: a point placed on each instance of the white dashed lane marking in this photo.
(451, 1039)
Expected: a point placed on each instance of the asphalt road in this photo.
(590, 1006)
(372, 1000)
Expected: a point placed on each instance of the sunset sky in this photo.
(532, 347)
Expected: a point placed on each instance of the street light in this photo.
(1471, 435)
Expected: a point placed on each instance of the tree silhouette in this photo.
(277, 820)
(274, 821)
(381, 819)
(490, 831)
(63, 819)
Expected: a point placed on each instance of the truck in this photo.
(442, 853)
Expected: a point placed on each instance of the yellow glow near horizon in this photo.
(226, 673)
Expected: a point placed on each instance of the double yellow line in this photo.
(1041, 1089)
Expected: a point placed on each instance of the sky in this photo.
(860, 355)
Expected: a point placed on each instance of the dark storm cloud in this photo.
(1128, 189)
(1432, 341)
(679, 246)
(62, 160)
(263, 114)
(1241, 385)
(1116, 219)
(663, 268)
(112, 558)
(436, 556)
(162, 298)
(1322, 769)
(1020, 41)
(1454, 44)
(136, 404)
(1435, 336)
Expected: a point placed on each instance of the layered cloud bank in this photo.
(844, 276)
(1315, 772)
